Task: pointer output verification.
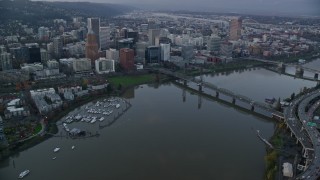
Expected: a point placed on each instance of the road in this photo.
(308, 136)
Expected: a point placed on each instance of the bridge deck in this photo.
(221, 90)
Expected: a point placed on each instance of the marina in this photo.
(104, 111)
(151, 128)
(93, 112)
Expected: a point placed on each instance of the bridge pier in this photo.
(281, 68)
(199, 102)
(299, 71)
(184, 95)
(233, 100)
(316, 76)
(217, 94)
(252, 107)
(185, 83)
(200, 87)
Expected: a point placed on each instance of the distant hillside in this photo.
(39, 11)
(93, 9)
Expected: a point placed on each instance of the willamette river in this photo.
(163, 137)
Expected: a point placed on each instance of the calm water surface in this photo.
(163, 137)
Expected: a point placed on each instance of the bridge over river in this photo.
(282, 66)
(235, 97)
(308, 137)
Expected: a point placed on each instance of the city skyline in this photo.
(110, 91)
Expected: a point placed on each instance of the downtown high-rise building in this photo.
(127, 59)
(81, 65)
(104, 36)
(153, 54)
(43, 33)
(153, 36)
(94, 25)
(165, 52)
(213, 43)
(92, 47)
(112, 54)
(34, 53)
(235, 29)
(6, 61)
(103, 65)
(57, 47)
(187, 52)
(44, 56)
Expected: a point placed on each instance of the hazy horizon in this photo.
(271, 7)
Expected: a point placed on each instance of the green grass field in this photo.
(37, 129)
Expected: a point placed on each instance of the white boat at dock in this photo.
(93, 121)
(117, 106)
(24, 173)
(73, 147)
(56, 149)
(54, 158)
(101, 119)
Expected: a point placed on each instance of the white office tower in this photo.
(112, 54)
(104, 36)
(6, 61)
(104, 66)
(165, 52)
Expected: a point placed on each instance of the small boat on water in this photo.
(73, 147)
(54, 158)
(24, 173)
(56, 149)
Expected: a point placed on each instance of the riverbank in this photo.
(55, 116)
(228, 67)
(286, 150)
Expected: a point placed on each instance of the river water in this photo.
(164, 136)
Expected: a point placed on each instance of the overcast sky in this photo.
(292, 7)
